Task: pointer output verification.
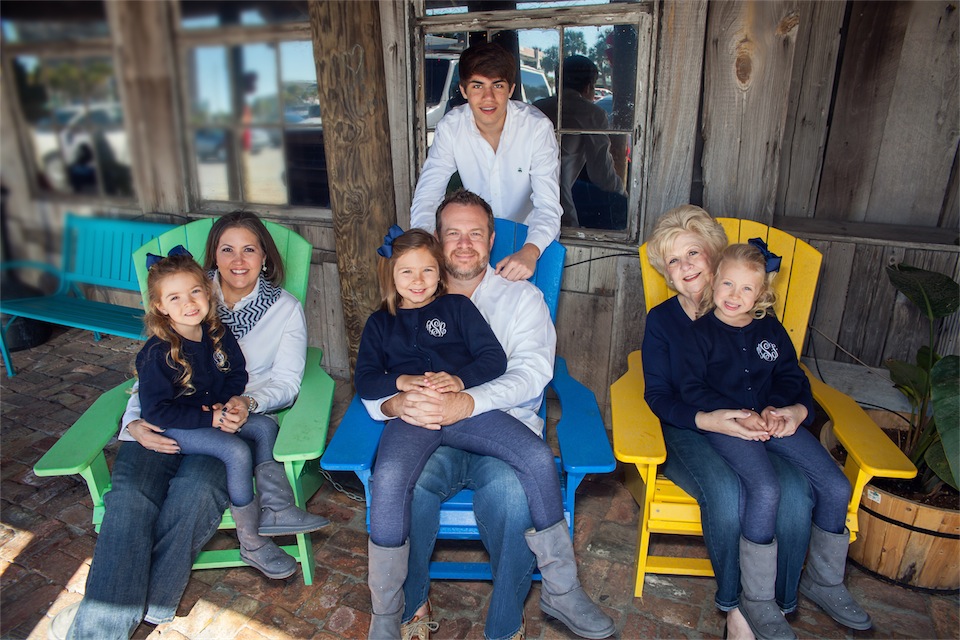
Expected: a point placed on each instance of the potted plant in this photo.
(905, 539)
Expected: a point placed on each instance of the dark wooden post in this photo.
(353, 105)
(144, 58)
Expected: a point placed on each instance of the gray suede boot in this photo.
(822, 579)
(758, 575)
(279, 514)
(561, 595)
(385, 576)
(259, 552)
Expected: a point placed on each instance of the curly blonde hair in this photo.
(160, 325)
(750, 257)
(683, 219)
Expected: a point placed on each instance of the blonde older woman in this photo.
(684, 247)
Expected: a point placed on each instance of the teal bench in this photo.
(96, 252)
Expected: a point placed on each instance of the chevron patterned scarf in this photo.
(246, 318)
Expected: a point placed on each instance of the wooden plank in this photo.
(395, 27)
(950, 216)
(584, 324)
(672, 147)
(144, 55)
(874, 39)
(629, 314)
(352, 92)
(811, 90)
(749, 54)
(576, 269)
(922, 127)
(602, 279)
(899, 235)
(835, 276)
(868, 305)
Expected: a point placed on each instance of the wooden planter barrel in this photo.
(908, 543)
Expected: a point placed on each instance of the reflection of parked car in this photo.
(442, 78)
(211, 144)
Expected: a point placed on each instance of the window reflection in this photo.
(595, 134)
(249, 13)
(76, 125)
(268, 142)
(594, 167)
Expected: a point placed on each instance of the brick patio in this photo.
(46, 542)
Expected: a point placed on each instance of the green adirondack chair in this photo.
(303, 427)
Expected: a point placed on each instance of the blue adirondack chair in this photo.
(584, 446)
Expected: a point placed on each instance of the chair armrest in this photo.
(870, 453)
(584, 445)
(353, 446)
(82, 443)
(303, 427)
(637, 436)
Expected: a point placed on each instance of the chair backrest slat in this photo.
(510, 238)
(795, 285)
(97, 251)
(294, 249)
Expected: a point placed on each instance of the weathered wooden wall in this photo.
(836, 120)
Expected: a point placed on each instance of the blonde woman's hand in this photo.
(786, 420)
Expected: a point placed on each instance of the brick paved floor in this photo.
(46, 541)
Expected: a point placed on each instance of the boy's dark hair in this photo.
(579, 72)
(467, 198)
(489, 60)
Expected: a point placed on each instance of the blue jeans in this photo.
(696, 467)
(160, 512)
(502, 516)
(404, 450)
(761, 491)
(233, 450)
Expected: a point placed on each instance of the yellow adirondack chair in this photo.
(303, 427)
(638, 439)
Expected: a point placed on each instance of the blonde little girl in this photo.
(740, 357)
(191, 376)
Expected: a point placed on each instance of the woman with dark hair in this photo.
(163, 506)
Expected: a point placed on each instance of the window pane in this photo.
(446, 7)
(48, 21)
(267, 147)
(212, 148)
(248, 13)
(76, 125)
(263, 169)
(210, 86)
(260, 83)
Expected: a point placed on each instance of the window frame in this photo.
(643, 15)
(232, 35)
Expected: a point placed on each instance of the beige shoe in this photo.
(420, 627)
(521, 633)
(61, 624)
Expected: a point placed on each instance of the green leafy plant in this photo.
(932, 383)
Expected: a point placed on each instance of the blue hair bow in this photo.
(773, 260)
(178, 250)
(386, 249)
